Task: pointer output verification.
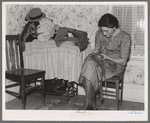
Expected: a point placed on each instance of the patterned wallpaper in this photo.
(135, 73)
(82, 17)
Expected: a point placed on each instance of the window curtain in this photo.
(131, 20)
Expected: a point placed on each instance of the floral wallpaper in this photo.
(134, 72)
(82, 17)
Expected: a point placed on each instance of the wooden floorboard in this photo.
(34, 102)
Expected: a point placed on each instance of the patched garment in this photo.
(118, 48)
(45, 30)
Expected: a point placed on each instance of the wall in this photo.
(74, 16)
(83, 17)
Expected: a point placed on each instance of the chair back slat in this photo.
(12, 54)
(17, 54)
(12, 37)
(21, 52)
(7, 57)
(14, 57)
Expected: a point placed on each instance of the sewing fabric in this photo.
(45, 30)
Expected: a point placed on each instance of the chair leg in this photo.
(43, 89)
(77, 89)
(23, 94)
(117, 94)
(20, 90)
(121, 91)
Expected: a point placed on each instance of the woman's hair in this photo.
(108, 20)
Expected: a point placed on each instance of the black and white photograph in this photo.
(75, 61)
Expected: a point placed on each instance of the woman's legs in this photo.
(90, 101)
(90, 77)
(93, 97)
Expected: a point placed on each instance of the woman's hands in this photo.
(94, 51)
(106, 57)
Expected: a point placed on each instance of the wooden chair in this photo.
(115, 84)
(18, 74)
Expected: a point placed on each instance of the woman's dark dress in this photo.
(118, 48)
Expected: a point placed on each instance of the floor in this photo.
(34, 102)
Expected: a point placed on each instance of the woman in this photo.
(111, 43)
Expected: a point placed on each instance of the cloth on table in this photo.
(79, 36)
(45, 30)
(63, 62)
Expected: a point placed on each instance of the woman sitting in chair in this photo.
(112, 45)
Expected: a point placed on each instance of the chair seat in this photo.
(16, 75)
(24, 72)
(113, 79)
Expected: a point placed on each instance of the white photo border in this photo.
(59, 115)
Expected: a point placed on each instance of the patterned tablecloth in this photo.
(62, 62)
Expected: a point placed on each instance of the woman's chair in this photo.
(17, 74)
(115, 84)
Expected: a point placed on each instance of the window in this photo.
(131, 19)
